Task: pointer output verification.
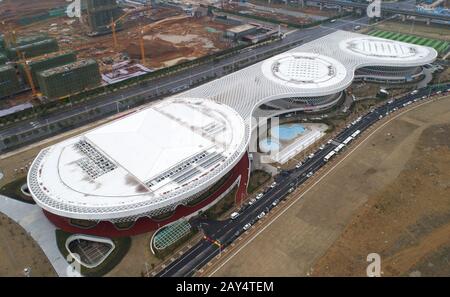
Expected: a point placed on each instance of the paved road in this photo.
(183, 78)
(227, 231)
(394, 8)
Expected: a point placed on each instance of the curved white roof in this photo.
(387, 51)
(129, 167)
(304, 70)
(151, 157)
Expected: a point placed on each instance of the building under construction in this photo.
(69, 79)
(46, 62)
(2, 42)
(3, 59)
(9, 84)
(101, 13)
(34, 49)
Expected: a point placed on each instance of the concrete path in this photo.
(33, 220)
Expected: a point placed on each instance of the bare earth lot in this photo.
(18, 250)
(391, 196)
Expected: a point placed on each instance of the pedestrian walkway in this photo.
(33, 220)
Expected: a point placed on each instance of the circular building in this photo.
(154, 166)
(398, 62)
(304, 72)
(178, 157)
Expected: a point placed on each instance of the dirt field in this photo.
(390, 196)
(14, 9)
(306, 9)
(18, 250)
(278, 16)
(166, 44)
(423, 30)
(174, 41)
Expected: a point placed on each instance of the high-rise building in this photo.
(69, 79)
(101, 13)
(9, 83)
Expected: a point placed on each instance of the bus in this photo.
(347, 140)
(338, 148)
(329, 156)
(356, 133)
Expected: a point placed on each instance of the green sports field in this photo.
(439, 45)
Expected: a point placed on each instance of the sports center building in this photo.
(175, 158)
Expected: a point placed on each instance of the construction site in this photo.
(125, 38)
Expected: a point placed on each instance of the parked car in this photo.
(259, 196)
(273, 185)
(251, 202)
(310, 174)
(234, 215)
(247, 226)
(261, 215)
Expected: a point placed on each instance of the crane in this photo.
(9, 35)
(143, 29)
(141, 45)
(28, 74)
(114, 23)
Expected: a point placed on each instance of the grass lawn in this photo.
(257, 179)
(222, 206)
(439, 45)
(12, 190)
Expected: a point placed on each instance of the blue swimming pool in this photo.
(288, 132)
(268, 145)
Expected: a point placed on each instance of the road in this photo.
(394, 8)
(229, 230)
(184, 78)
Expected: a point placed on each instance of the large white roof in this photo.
(169, 149)
(155, 150)
(304, 70)
(172, 150)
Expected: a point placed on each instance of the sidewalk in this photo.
(33, 220)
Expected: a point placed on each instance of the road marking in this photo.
(318, 181)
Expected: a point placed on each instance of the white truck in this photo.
(338, 148)
(347, 140)
(329, 156)
(356, 133)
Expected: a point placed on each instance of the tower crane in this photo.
(114, 23)
(28, 74)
